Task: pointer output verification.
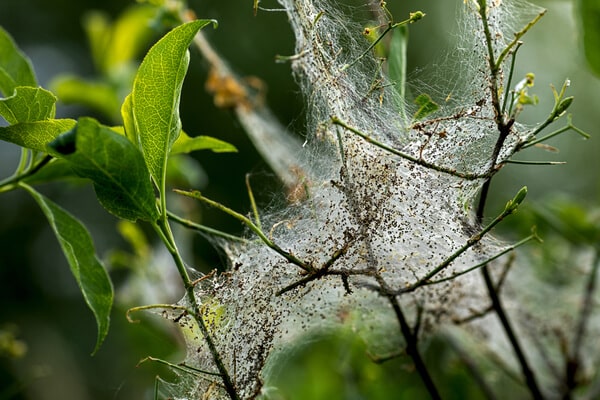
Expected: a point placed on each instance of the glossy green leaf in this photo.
(15, 67)
(98, 29)
(77, 246)
(114, 165)
(98, 96)
(571, 220)
(397, 60)
(28, 104)
(131, 35)
(589, 12)
(186, 144)
(156, 94)
(36, 135)
(128, 121)
(426, 106)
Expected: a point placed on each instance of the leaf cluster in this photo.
(127, 165)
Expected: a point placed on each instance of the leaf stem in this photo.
(10, 183)
(203, 228)
(164, 231)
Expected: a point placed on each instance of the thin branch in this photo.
(557, 132)
(412, 349)
(503, 132)
(278, 147)
(494, 67)
(203, 228)
(574, 359)
(510, 76)
(524, 162)
(253, 202)
(181, 366)
(10, 182)
(510, 208)
(518, 36)
(285, 254)
(419, 161)
(468, 361)
(319, 272)
(152, 307)
(163, 229)
(412, 18)
(466, 271)
(530, 379)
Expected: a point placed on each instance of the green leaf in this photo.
(573, 221)
(114, 165)
(186, 144)
(98, 29)
(131, 35)
(589, 12)
(36, 135)
(28, 104)
(76, 243)
(98, 96)
(426, 106)
(156, 94)
(128, 121)
(397, 60)
(15, 67)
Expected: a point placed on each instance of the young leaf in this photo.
(589, 12)
(114, 165)
(186, 144)
(128, 121)
(15, 67)
(76, 243)
(99, 96)
(130, 35)
(156, 93)
(36, 135)
(28, 104)
(426, 106)
(397, 60)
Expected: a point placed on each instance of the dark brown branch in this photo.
(412, 349)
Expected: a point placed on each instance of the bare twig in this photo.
(416, 160)
(573, 362)
(504, 128)
(466, 358)
(248, 222)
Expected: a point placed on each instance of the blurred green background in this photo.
(40, 305)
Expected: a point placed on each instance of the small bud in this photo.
(563, 105)
(520, 196)
(512, 205)
(415, 16)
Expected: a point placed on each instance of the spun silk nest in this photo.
(373, 220)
